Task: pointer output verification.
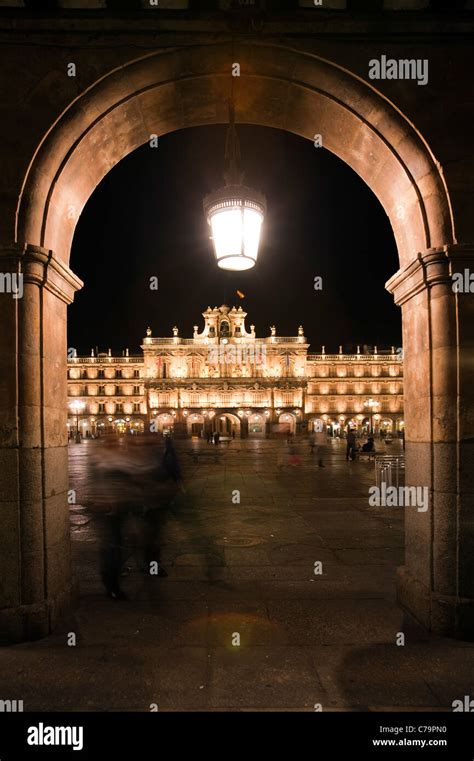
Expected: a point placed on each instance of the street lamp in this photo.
(373, 405)
(235, 212)
(77, 407)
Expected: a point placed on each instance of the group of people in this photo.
(319, 439)
(135, 489)
(352, 446)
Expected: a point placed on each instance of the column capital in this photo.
(435, 266)
(41, 267)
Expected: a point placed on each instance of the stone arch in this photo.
(294, 91)
(164, 421)
(234, 424)
(257, 424)
(386, 424)
(195, 423)
(288, 419)
(291, 90)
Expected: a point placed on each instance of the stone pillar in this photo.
(35, 571)
(436, 584)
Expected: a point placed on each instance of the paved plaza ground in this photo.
(246, 569)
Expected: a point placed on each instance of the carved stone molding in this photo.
(40, 266)
(435, 266)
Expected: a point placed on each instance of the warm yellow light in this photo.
(77, 407)
(236, 236)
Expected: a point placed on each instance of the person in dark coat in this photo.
(170, 462)
(369, 445)
(351, 445)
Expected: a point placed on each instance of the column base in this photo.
(441, 614)
(31, 622)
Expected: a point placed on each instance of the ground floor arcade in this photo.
(254, 423)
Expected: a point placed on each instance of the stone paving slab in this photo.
(336, 622)
(280, 677)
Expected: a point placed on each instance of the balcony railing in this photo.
(137, 360)
(380, 357)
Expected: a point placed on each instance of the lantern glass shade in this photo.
(236, 219)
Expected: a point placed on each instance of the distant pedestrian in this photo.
(170, 462)
(351, 445)
(321, 439)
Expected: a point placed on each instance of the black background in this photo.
(145, 219)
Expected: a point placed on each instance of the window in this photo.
(136, 373)
(101, 407)
(136, 407)
(101, 374)
(136, 389)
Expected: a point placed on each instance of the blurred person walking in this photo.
(321, 440)
(351, 445)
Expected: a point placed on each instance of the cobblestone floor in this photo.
(246, 569)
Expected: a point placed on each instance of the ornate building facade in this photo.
(225, 378)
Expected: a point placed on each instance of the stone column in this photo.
(35, 572)
(436, 584)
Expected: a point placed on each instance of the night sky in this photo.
(145, 219)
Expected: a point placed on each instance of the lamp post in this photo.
(235, 212)
(373, 405)
(77, 407)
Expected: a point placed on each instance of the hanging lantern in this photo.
(235, 212)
